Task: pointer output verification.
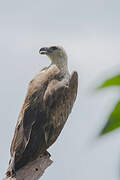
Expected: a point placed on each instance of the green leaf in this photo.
(114, 81)
(113, 120)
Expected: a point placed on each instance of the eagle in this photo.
(47, 105)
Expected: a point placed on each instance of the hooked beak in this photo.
(44, 50)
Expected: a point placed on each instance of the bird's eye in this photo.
(53, 48)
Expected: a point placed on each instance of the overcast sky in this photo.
(89, 30)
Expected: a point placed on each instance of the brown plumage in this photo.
(49, 100)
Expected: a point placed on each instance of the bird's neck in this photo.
(62, 66)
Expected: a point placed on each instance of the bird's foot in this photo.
(46, 153)
(10, 173)
(11, 169)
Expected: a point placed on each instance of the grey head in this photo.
(57, 56)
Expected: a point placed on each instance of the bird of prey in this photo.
(47, 105)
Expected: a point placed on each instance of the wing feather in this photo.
(59, 99)
(32, 112)
(47, 105)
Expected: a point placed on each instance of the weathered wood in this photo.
(33, 170)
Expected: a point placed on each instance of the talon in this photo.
(46, 153)
(10, 173)
(13, 173)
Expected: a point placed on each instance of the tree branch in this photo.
(33, 170)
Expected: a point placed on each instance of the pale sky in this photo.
(90, 34)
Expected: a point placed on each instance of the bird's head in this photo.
(56, 54)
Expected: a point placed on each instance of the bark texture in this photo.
(33, 170)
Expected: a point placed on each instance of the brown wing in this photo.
(29, 134)
(44, 113)
(59, 99)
